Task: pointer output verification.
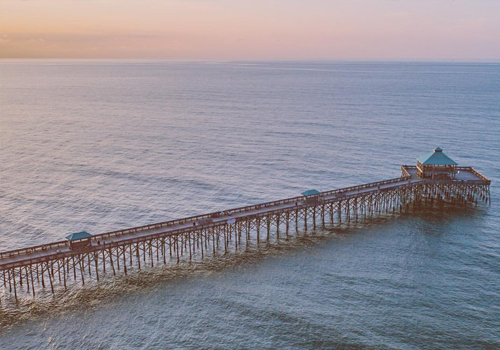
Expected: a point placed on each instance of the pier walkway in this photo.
(222, 232)
(56, 250)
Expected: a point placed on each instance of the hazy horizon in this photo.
(384, 30)
(263, 60)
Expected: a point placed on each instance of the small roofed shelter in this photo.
(311, 197)
(79, 239)
(310, 192)
(436, 165)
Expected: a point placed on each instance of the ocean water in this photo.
(101, 145)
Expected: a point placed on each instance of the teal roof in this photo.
(310, 192)
(78, 235)
(437, 157)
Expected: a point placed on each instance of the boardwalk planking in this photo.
(27, 269)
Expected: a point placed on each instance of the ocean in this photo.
(99, 145)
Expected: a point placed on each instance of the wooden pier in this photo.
(49, 267)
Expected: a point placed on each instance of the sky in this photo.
(253, 29)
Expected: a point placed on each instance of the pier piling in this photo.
(25, 271)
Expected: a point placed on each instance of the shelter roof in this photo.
(437, 157)
(78, 235)
(310, 192)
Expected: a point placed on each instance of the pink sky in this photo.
(256, 29)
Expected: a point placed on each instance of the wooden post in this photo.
(124, 262)
(42, 273)
(258, 230)
(201, 237)
(151, 259)
(14, 281)
(314, 218)
(213, 241)
(82, 270)
(226, 243)
(58, 269)
(157, 241)
(64, 275)
(170, 245)
(305, 218)
(238, 233)
(111, 261)
(331, 213)
(74, 269)
(103, 261)
(268, 222)
(247, 234)
(278, 227)
(163, 250)
(130, 254)
(287, 218)
(26, 276)
(190, 253)
(296, 218)
(339, 211)
(32, 283)
(181, 236)
(10, 284)
(89, 265)
(205, 235)
(50, 272)
(323, 215)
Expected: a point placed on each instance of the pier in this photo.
(83, 257)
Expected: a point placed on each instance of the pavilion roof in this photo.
(78, 235)
(437, 157)
(310, 192)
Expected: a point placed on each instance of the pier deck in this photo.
(394, 194)
(58, 249)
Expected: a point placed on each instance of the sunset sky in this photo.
(257, 29)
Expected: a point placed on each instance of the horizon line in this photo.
(406, 60)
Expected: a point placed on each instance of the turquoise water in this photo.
(103, 145)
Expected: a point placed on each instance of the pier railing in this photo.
(404, 170)
(481, 178)
(475, 172)
(25, 269)
(34, 249)
(338, 194)
(175, 222)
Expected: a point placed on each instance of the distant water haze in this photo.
(99, 145)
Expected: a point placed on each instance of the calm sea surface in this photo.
(103, 145)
